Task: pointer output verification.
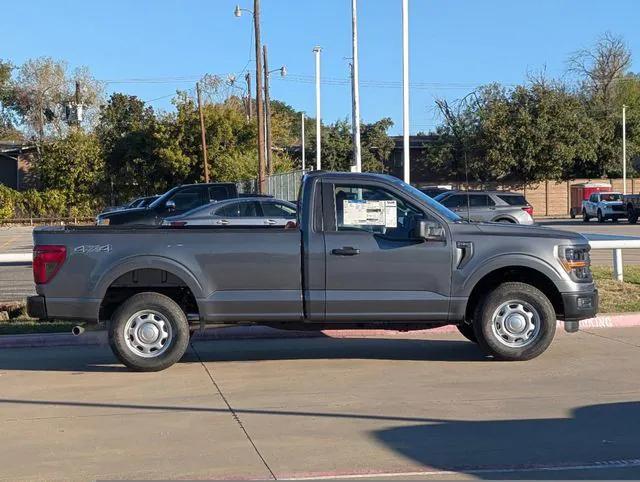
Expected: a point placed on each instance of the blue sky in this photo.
(455, 45)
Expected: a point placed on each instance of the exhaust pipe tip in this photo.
(77, 330)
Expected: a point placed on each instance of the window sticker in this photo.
(370, 213)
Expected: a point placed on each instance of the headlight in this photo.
(102, 221)
(576, 261)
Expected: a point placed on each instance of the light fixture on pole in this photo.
(355, 81)
(317, 51)
(405, 90)
(259, 106)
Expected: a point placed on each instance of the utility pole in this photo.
(405, 90)
(302, 141)
(249, 97)
(317, 51)
(202, 133)
(355, 83)
(624, 149)
(259, 106)
(267, 104)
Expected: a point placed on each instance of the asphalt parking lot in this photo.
(322, 407)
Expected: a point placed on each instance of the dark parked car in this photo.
(496, 206)
(176, 201)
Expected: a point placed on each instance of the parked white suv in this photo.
(604, 205)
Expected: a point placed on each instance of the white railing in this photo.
(616, 244)
(597, 242)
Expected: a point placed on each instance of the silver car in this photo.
(496, 206)
(249, 211)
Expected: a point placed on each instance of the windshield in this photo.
(431, 202)
(611, 197)
(161, 200)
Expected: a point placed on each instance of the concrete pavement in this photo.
(326, 407)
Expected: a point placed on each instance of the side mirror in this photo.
(170, 205)
(429, 230)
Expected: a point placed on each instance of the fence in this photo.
(282, 186)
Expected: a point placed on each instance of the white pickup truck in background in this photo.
(603, 206)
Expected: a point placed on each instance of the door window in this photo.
(593, 198)
(187, 199)
(480, 201)
(455, 201)
(218, 193)
(238, 210)
(376, 210)
(277, 210)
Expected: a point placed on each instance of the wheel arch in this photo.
(169, 278)
(520, 273)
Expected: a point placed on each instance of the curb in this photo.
(99, 337)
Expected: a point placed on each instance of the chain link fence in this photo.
(282, 186)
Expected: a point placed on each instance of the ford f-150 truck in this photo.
(367, 251)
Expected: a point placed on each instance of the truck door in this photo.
(376, 267)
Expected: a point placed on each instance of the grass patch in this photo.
(23, 327)
(616, 296)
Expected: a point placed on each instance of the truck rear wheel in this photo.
(149, 332)
(585, 216)
(515, 322)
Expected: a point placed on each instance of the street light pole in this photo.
(267, 108)
(405, 89)
(302, 141)
(317, 51)
(624, 149)
(202, 133)
(355, 80)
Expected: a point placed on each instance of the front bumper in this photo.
(580, 305)
(36, 307)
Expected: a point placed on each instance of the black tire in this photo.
(632, 215)
(489, 338)
(572, 213)
(601, 218)
(468, 332)
(585, 216)
(165, 318)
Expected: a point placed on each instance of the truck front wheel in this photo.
(149, 332)
(515, 322)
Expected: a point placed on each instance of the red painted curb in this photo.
(264, 332)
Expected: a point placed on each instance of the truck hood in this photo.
(521, 231)
(130, 216)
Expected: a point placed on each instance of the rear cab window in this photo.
(513, 199)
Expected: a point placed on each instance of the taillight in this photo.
(47, 260)
(528, 210)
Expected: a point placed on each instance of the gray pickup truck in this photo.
(367, 251)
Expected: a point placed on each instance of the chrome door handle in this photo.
(223, 221)
(271, 221)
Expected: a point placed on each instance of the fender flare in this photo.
(519, 260)
(148, 262)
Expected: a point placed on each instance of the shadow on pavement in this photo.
(592, 442)
(594, 437)
(100, 359)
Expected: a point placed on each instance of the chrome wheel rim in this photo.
(516, 324)
(148, 333)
